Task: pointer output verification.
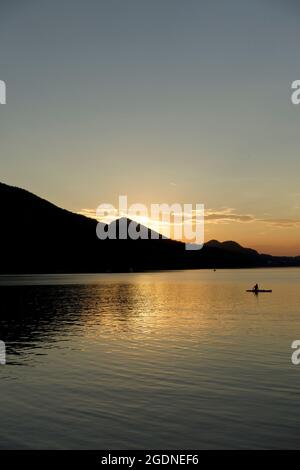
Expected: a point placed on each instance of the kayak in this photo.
(259, 290)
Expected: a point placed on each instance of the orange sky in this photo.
(273, 236)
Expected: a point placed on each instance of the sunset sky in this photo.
(163, 101)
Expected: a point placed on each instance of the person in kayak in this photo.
(255, 288)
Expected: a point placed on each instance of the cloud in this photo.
(229, 218)
(281, 223)
(88, 212)
(212, 216)
(226, 215)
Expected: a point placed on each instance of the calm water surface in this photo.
(155, 360)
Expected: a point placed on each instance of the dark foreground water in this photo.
(159, 360)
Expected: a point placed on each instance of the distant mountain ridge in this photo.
(38, 236)
(230, 246)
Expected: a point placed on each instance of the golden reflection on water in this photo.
(162, 360)
(163, 308)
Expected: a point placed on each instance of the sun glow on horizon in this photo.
(266, 235)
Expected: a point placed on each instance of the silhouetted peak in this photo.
(37, 236)
(230, 245)
(124, 223)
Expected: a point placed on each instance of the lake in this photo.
(162, 360)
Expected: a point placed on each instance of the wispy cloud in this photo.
(88, 213)
(281, 223)
(212, 216)
(227, 215)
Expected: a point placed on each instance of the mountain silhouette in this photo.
(38, 237)
(231, 246)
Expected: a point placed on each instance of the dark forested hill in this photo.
(37, 236)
